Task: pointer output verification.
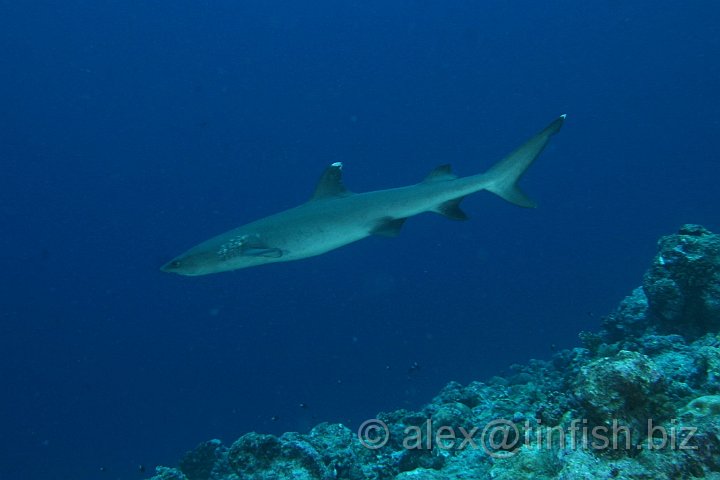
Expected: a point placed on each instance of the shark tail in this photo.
(502, 178)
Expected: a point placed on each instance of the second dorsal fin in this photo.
(330, 183)
(443, 172)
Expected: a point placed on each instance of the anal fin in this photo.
(388, 227)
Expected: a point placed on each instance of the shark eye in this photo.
(175, 264)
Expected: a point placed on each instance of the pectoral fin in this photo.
(248, 245)
(262, 252)
(254, 246)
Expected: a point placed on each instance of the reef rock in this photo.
(683, 284)
(647, 383)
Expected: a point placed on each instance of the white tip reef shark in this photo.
(335, 217)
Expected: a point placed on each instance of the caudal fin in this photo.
(502, 178)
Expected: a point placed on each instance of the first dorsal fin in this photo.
(330, 183)
(443, 172)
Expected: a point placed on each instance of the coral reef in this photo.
(639, 400)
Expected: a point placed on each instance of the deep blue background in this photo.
(130, 132)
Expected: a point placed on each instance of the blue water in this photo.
(132, 130)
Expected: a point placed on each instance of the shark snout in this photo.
(189, 264)
(173, 266)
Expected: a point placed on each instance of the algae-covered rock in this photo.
(683, 283)
(619, 386)
(421, 474)
(708, 355)
(200, 463)
(328, 451)
(630, 319)
(698, 434)
(470, 395)
(165, 473)
(254, 452)
(451, 417)
(259, 457)
(528, 463)
(703, 407)
(621, 394)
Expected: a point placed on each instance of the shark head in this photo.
(191, 264)
(222, 254)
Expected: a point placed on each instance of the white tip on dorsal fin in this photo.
(330, 183)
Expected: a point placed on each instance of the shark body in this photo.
(335, 217)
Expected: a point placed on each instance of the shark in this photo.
(334, 216)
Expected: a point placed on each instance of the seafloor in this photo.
(639, 400)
